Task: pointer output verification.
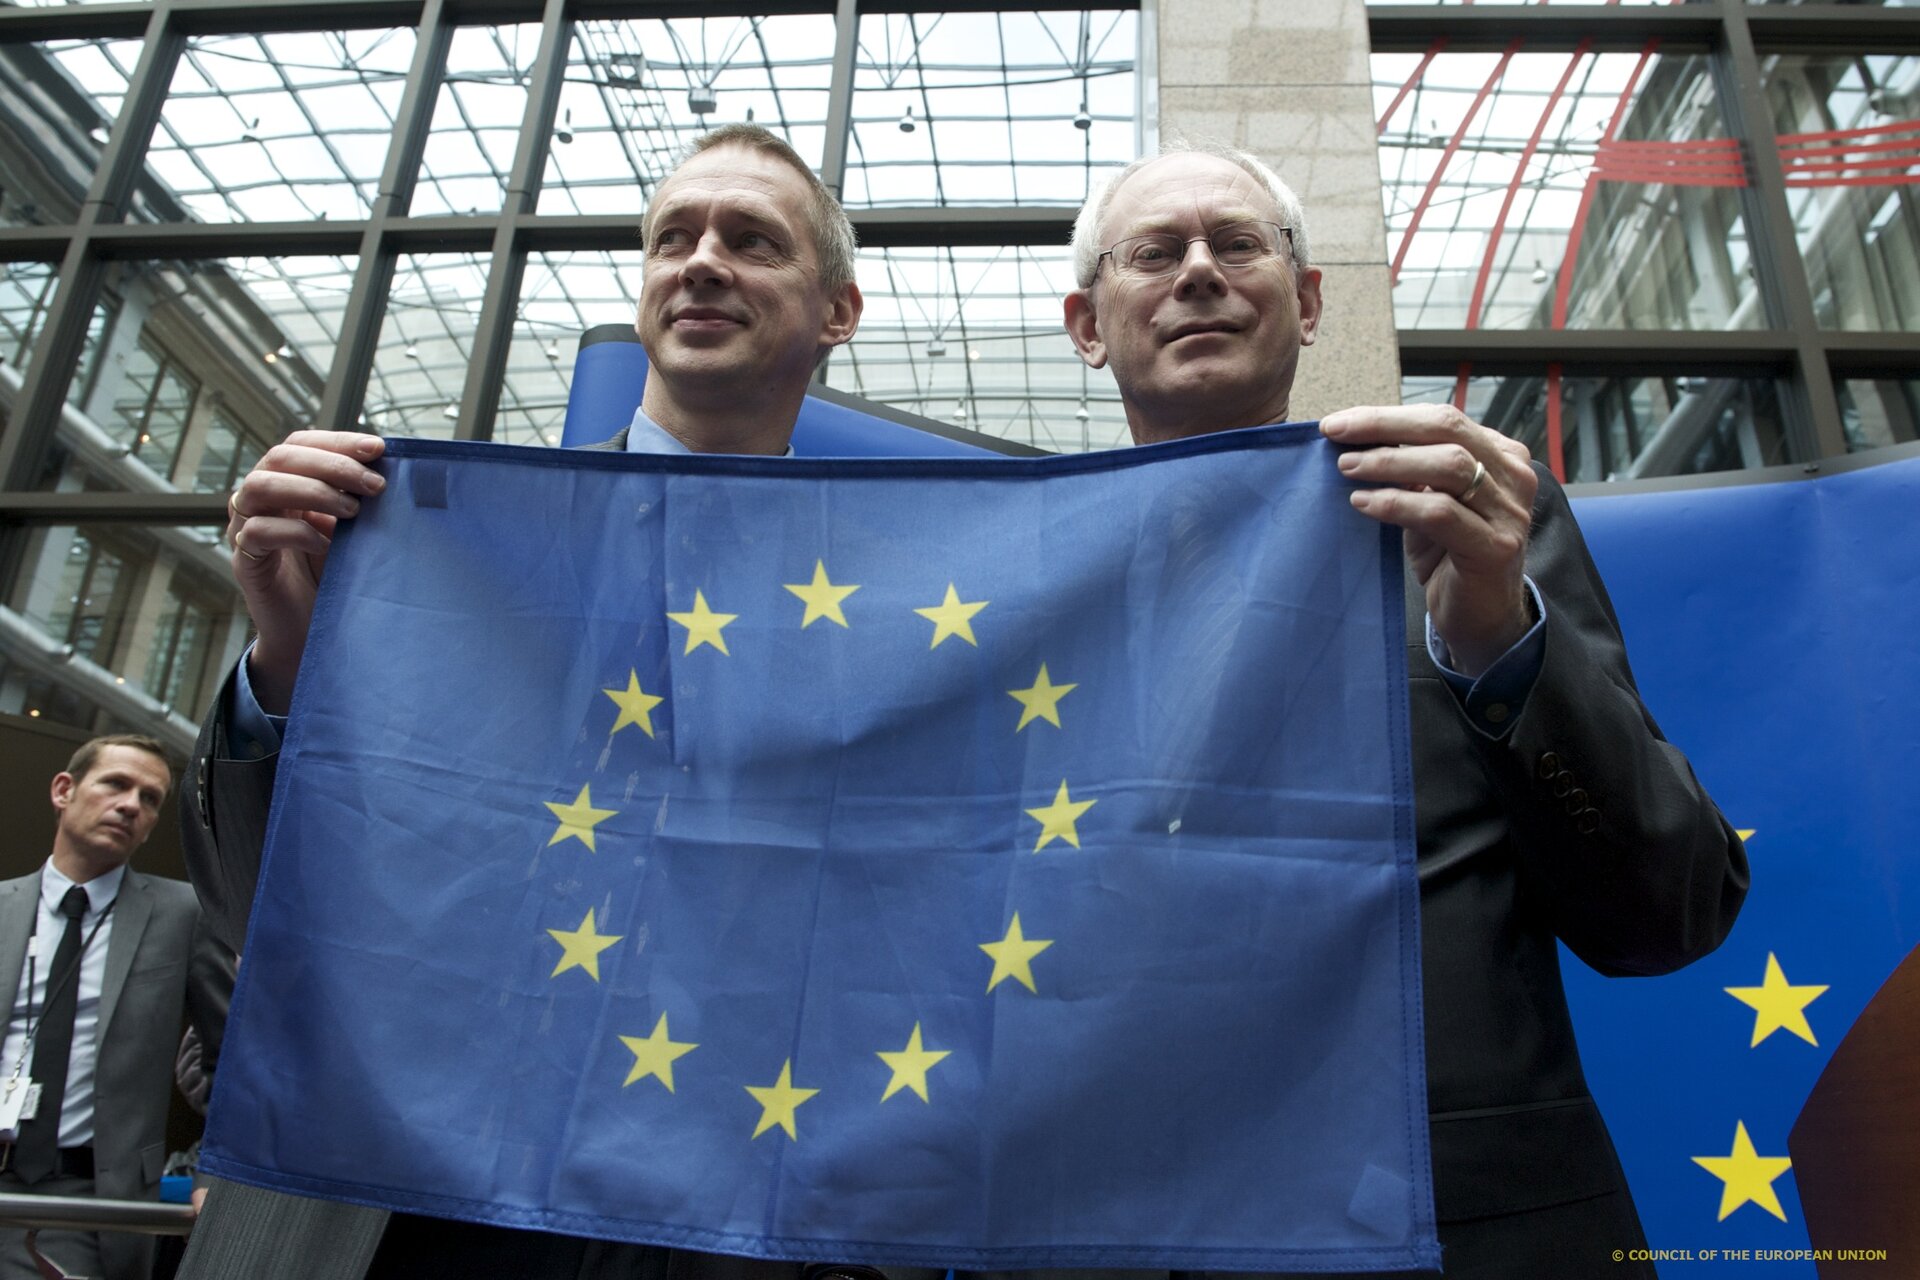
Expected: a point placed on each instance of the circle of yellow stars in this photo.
(822, 599)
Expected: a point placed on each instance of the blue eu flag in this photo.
(978, 863)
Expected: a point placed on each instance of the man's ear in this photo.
(62, 791)
(1084, 328)
(1311, 306)
(843, 316)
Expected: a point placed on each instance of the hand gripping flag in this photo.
(975, 863)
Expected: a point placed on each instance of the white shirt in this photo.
(76, 1111)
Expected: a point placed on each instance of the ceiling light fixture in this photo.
(701, 100)
(564, 134)
(907, 124)
(1081, 120)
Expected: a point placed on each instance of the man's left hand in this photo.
(1464, 496)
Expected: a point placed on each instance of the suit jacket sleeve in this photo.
(224, 824)
(1616, 839)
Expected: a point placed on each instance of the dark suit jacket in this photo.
(1581, 824)
(142, 1012)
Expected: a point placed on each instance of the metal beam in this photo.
(1406, 28)
(208, 509)
(846, 41)
(963, 225)
(1809, 405)
(493, 337)
(1619, 353)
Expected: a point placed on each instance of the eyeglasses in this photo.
(1238, 244)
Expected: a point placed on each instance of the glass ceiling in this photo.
(948, 109)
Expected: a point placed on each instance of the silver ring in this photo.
(1473, 485)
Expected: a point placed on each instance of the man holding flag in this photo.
(1549, 807)
(748, 283)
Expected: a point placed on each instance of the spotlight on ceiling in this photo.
(907, 124)
(1539, 272)
(564, 134)
(1081, 120)
(451, 411)
(1083, 414)
(936, 346)
(701, 100)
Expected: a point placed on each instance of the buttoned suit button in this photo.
(1587, 821)
(1577, 801)
(1563, 784)
(1549, 765)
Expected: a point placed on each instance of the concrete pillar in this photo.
(1288, 80)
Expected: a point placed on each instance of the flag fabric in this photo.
(1772, 629)
(976, 863)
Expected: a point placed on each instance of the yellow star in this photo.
(580, 948)
(578, 819)
(951, 618)
(1012, 956)
(1777, 1006)
(1057, 819)
(1745, 834)
(1747, 1175)
(1042, 701)
(636, 705)
(910, 1066)
(778, 1102)
(703, 625)
(655, 1055)
(822, 597)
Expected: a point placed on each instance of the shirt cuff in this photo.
(254, 734)
(1494, 701)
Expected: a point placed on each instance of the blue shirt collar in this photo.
(644, 435)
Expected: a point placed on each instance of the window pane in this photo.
(1661, 242)
(476, 122)
(1879, 411)
(637, 92)
(26, 291)
(289, 127)
(562, 295)
(426, 339)
(1628, 428)
(973, 336)
(259, 332)
(991, 108)
(1850, 144)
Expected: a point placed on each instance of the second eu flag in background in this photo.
(966, 863)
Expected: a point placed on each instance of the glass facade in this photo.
(1561, 190)
(342, 227)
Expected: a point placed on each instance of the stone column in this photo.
(1288, 80)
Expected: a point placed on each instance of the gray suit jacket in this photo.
(1582, 824)
(142, 1012)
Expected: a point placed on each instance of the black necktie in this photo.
(37, 1151)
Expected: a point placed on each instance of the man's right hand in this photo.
(282, 517)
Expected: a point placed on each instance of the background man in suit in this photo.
(96, 956)
(748, 282)
(1548, 806)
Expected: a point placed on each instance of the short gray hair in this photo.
(1086, 227)
(833, 239)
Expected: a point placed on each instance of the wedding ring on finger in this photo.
(1473, 485)
(233, 505)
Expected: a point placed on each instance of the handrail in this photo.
(90, 1213)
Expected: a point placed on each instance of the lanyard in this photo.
(54, 983)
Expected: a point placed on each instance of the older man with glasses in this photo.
(1549, 807)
